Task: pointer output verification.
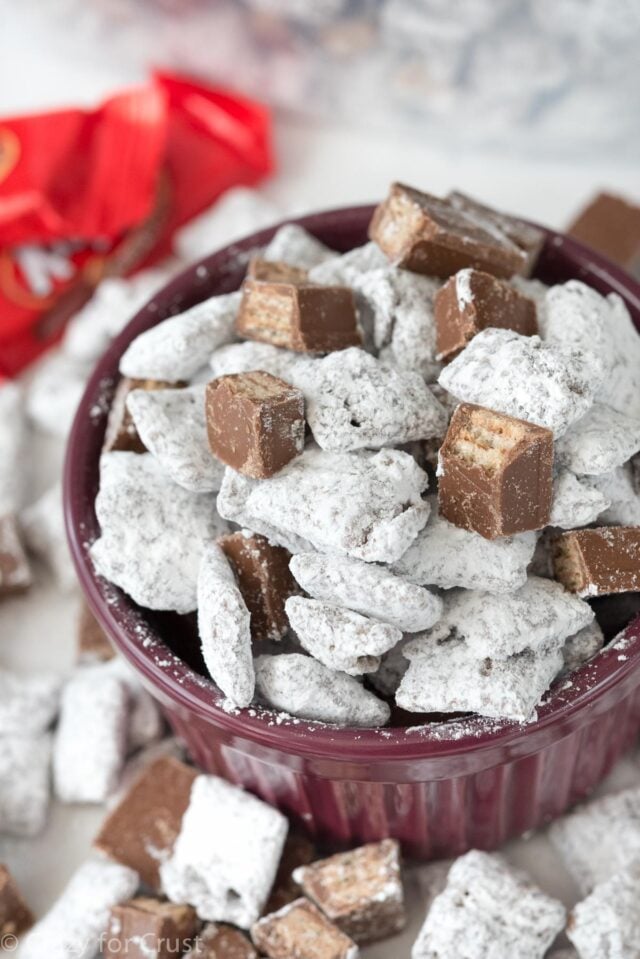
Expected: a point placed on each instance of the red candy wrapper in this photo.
(86, 194)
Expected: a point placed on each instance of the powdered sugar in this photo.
(294, 245)
(24, 783)
(252, 355)
(605, 925)
(575, 501)
(600, 441)
(28, 704)
(577, 317)
(12, 438)
(581, 647)
(624, 499)
(44, 533)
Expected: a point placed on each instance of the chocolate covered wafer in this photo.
(121, 433)
(15, 571)
(145, 927)
(92, 642)
(611, 225)
(300, 930)
(15, 915)
(495, 473)
(426, 234)
(219, 941)
(255, 422)
(525, 236)
(597, 562)
(276, 271)
(305, 317)
(472, 301)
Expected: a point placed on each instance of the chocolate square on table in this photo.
(471, 301)
(426, 234)
(219, 941)
(276, 271)
(495, 473)
(121, 434)
(15, 570)
(92, 642)
(304, 317)
(598, 562)
(15, 915)
(301, 930)
(255, 422)
(145, 927)
(526, 236)
(611, 225)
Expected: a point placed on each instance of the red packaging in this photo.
(91, 193)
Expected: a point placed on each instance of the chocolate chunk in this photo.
(300, 931)
(597, 562)
(276, 271)
(525, 236)
(144, 825)
(304, 317)
(121, 433)
(360, 890)
(495, 473)
(15, 915)
(611, 226)
(472, 301)
(15, 571)
(426, 234)
(146, 927)
(298, 851)
(255, 422)
(92, 641)
(217, 941)
(265, 581)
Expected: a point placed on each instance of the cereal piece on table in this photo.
(255, 422)
(526, 236)
(29, 703)
(488, 909)
(522, 377)
(141, 830)
(55, 392)
(472, 301)
(238, 212)
(15, 915)
(300, 930)
(44, 533)
(92, 642)
(582, 646)
(293, 244)
(599, 442)
(366, 505)
(12, 447)
(77, 921)
(301, 686)
(447, 556)
(153, 532)
(218, 941)
(426, 234)
(598, 562)
(178, 347)
(303, 317)
(619, 488)
(251, 355)
(611, 225)
(90, 742)
(15, 571)
(145, 927)
(275, 271)
(575, 501)
(360, 890)
(344, 269)
(226, 856)
(24, 783)
(265, 581)
(298, 851)
(173, 427)
(599, 838)
(355, 402)
(339, 638)
(371, 590)
(144, 720)
(606, 923)
(121, 434)
(576, 316)
(495, 473)
(224, 628)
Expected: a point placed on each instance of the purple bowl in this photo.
(439, 788)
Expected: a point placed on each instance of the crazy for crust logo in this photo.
(9, 152)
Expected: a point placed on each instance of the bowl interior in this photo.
(164, 647)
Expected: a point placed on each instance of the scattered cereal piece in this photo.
(425, 234)
(446, 555)
(224, 627)
(488, 909)
(298, 851)
(495, 473)
(293, 244)
(75, 924)
(144, 720)
(527, 237)
(121, 434)
(153, 532)
(583, 646)
(141, 830)
(255, 422)
(360, 890)
(226, 856)
(355, 402)
(371, 590)
(275, 271)
(575, 501)
(299, 929)
(176, 348)
(472, 301)
(217, 941)
(598, 562)
(301, 686)
(15, 571)
(251, 355)
(24, 783)
(92, 641)
(28, 704)
(265, 580)
(624, 499)
(44, 533)
(600, 441)
(339, 638)
(15, 915)
(362, 504)
(238, 212)
(577, 317)
(606, 923)
(55, 392)
(143, 927)
(611, 225)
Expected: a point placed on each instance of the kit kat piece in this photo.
(219, 941)
(426, 234)
(121, 434)
(304, 317)
(472, 301)
(276, 271)
(145, 927)
(15, 915)
(15, 570)
(611, 225)
(525, 236)
(495, 473)
(598, 562)
(92, 642)
(300, 931)
(255, 422)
